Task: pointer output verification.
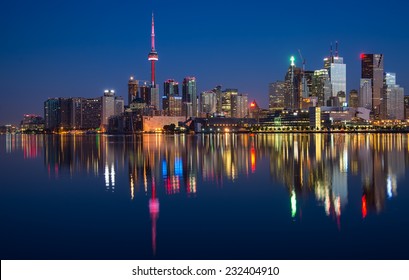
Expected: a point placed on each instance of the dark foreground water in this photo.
(283, 196)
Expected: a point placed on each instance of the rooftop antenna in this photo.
(336, 48)
(303, 81)
(330, 50)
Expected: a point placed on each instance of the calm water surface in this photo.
(277, 196)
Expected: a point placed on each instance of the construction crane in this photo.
(304, 88)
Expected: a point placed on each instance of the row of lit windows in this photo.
(223, 124)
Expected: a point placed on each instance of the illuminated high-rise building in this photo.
(392, 105)
(208, 102)
(170, 88)
(289, 79)
(153, 57)
(51, 113)
(292, 98)
(145, 92)
(321, 87)
(372, 69)
(119, 105)
(306, 81)
(132, 89)
(32, 122)
(337, 75)
(108, 106)
(65, 113)
(189, 97)
(58, 113)
(91, 113)
(219, 97)
(76, 113)
(276, 93)
(174, 106)
(239, 104)
(365, 94)
(111, 106)
(226, 101)
(353, 99)
(389, 79)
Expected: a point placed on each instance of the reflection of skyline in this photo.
(31, 145)
(304, 163)
(320, 163)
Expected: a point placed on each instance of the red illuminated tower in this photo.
(153, 55)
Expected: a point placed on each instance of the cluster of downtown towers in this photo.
(301, 89)
(378, 92)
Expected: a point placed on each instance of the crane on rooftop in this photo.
(304, 88)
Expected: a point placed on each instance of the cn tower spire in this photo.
(153, 33)
(153, 55)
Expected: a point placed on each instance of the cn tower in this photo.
(153, 55)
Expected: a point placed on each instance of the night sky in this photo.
(79, 48)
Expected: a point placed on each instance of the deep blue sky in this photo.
(79, 48)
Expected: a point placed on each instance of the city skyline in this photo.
(59, 49)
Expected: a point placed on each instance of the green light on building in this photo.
(292, 59)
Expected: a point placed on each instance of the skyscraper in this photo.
(321, 87)
(306, 80)
(108, 106)
(365, 94)
(389, 79)
(189, 97)
(208, 102)
(170, 88)
(219, 94)
(337, 75)
(119, 105)
(353, 99)
(76, 113)
(65, 112)
(392, 105)
(174, 106)
(226, 101)
(145, 93)
(276, 93)
(132, 89)
(91, 113)
(239, 105)
(372, 69)
(58, 113)
(153, 57)
(292, 98)
(51, 113)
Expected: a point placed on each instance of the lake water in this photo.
(225, 196)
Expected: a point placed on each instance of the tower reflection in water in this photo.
(306, 164)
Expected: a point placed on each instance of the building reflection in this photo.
(320, 163)
(304, 163)
(30, 144)
(382, 161)
(307, 165)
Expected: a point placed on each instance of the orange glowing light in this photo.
(364, 209)
(252, 105)
(253, 160)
